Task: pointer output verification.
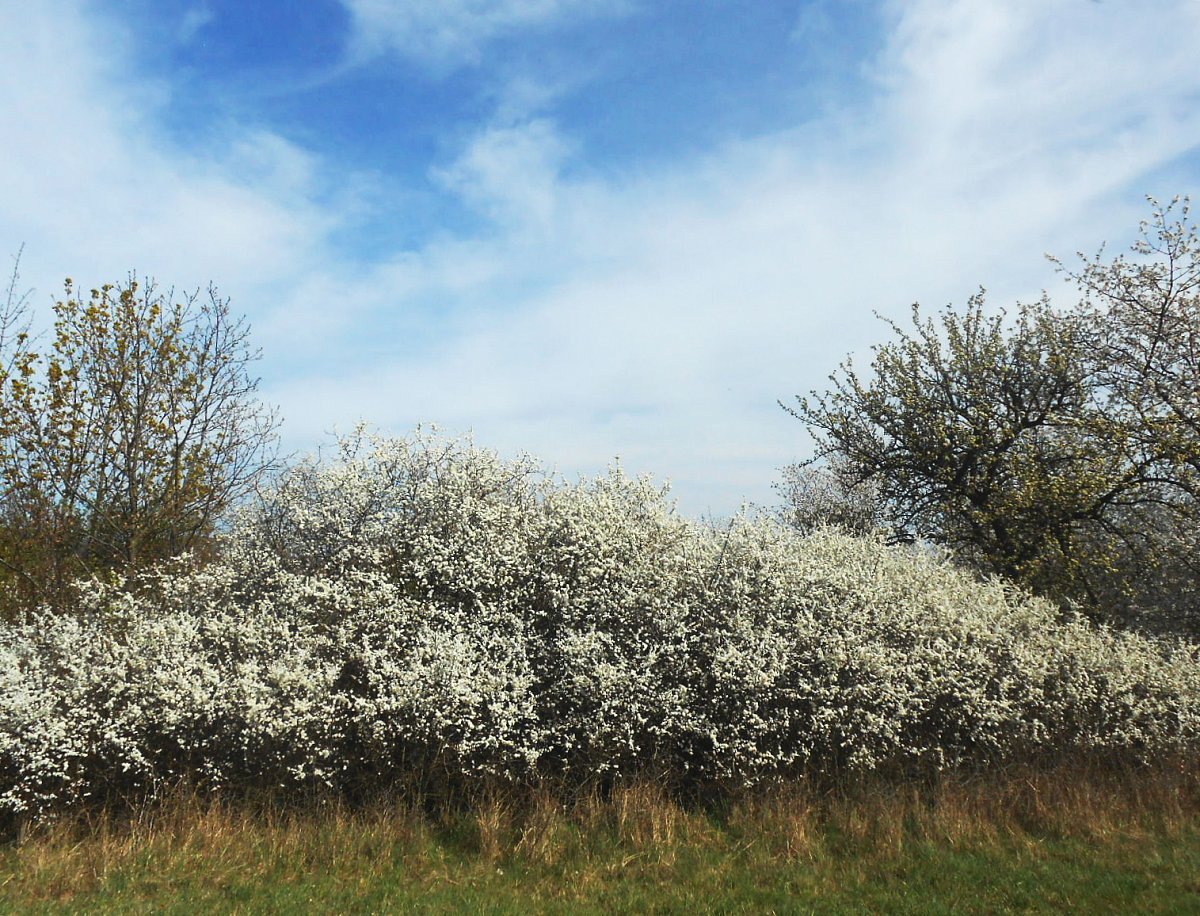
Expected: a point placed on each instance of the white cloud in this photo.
(453, 32)
(985, 86)
(93, 187)
(511, 173)
(671, 309)
(655, 315)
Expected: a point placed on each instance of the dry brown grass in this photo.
(797, 820)
(637, 825)
(545, 835)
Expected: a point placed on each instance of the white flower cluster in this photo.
(420, 609)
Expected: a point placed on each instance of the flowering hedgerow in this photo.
(422, 610)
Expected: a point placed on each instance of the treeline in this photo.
(1058, 448)
(419, 613)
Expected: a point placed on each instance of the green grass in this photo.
(1063, 842)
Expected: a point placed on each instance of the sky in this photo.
(589, 230)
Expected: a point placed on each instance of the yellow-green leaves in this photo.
(128, 437)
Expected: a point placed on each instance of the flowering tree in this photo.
(826, 495)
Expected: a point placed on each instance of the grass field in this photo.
(1066, 841)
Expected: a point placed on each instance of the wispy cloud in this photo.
(93, 185)
(510, 173)
(449, 33)
(982, 87)
(583, 312)
(193, 23)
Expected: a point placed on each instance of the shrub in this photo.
(422, 612)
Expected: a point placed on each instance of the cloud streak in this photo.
(92, 179)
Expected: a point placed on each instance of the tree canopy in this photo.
(1059, 448)
(124, 439)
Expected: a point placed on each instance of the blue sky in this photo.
(585, 228)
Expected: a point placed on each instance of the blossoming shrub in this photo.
(420, 610)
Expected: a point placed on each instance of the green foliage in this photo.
(124, 441)
(1060, 449)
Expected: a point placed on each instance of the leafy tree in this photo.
(1143, 316)
(127, 439)
(1058, 449)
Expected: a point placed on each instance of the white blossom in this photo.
(421, 608)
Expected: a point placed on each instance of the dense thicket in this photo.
(419, 611)
(1057, 448)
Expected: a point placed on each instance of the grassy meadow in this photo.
(1067, 840)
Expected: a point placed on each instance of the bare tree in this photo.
(826, 495)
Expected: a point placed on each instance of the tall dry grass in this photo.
(189, 834)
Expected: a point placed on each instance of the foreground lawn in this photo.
(1018, 844)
